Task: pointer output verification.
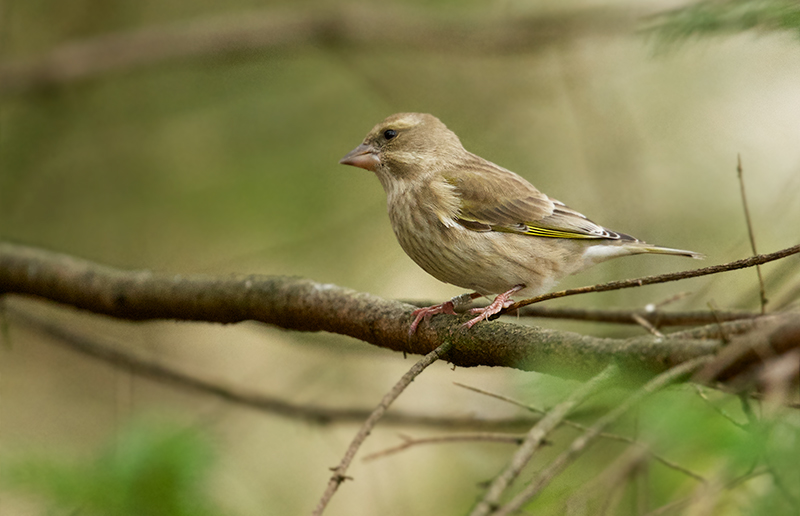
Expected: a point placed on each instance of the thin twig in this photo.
(775, 279)
(652, 307)
(579, 444)
(340, 471)
(409, 442)
(725, 339)
(661, 278)
(718, 410)
(762, 291)
(537, 434)
(501, 398)
(605, 435)
(623, 316)
(650, 313)
(647, 325)
(109, 353)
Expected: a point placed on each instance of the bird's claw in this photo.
(426, 313)
(500, 302)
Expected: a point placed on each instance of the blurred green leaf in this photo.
(153, 470)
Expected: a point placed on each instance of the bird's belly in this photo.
(488, 262)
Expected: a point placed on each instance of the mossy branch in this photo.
(303, 305)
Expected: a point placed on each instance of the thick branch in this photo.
(303, 305)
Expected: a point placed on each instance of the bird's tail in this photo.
(647, 248)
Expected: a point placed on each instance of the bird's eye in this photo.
(389, 134)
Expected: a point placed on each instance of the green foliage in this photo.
(752, 461)
(148, 469)
(710, 18)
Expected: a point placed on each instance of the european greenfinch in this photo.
(474, 224)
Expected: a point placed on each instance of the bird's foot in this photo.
(501, 301)
(448, 307)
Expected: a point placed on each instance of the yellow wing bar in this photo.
(538, 231)
(556, 233)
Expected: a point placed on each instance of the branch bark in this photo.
(303, 305)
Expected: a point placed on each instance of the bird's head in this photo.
(405, 147)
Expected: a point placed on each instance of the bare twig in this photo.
(577, 446)
(605, 435)
(720, 331)
(647, 325)
(409, 442)
(623, 316)
(776, 279)
(537, 434)
(701, 392)
(652, 307)
(662, 278)
(747, 353)
(723, 335)
(340, 471)
(762, 291)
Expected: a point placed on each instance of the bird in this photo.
(474, 224)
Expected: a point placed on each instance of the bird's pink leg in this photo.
(444, 308)
(501, 301)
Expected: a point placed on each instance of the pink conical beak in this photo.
(364, 156)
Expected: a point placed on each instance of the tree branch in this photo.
(655, 317)
(303, 305)
(761, 290)
(339, 472)
(409, 442)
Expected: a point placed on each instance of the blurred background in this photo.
(192, 137)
